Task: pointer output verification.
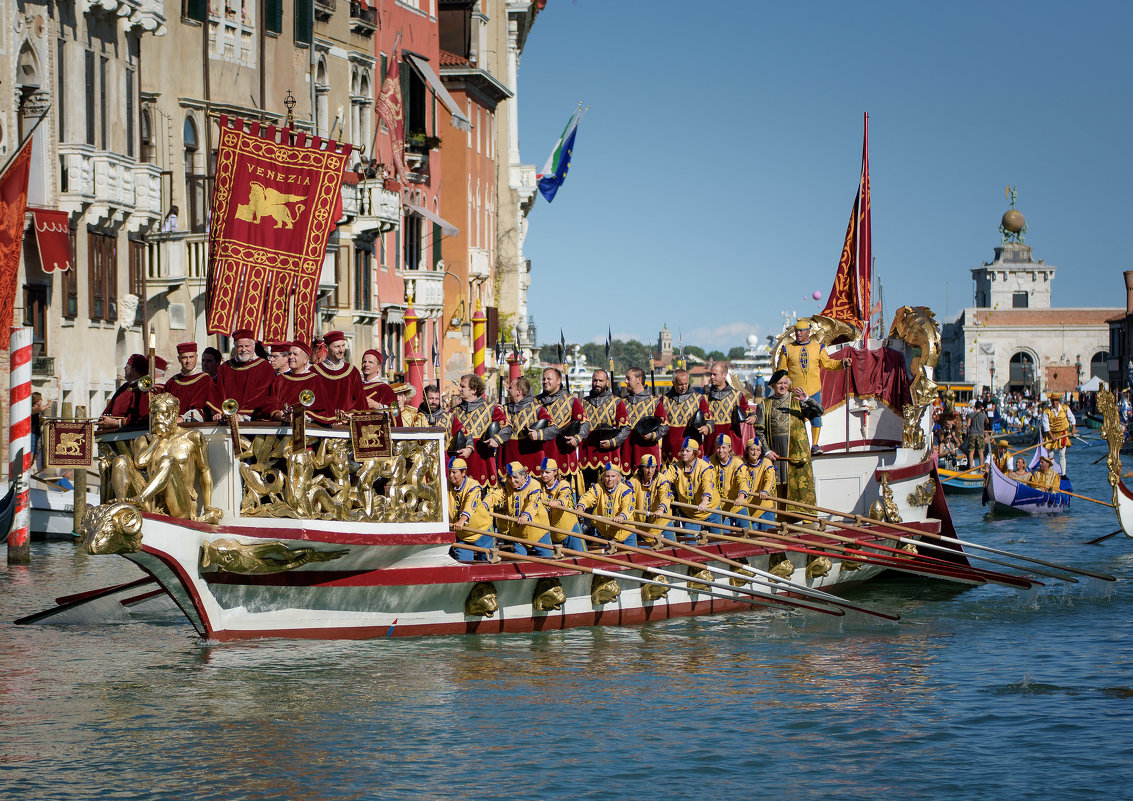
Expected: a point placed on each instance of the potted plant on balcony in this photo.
(420, 142)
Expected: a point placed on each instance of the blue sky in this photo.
(713, 176)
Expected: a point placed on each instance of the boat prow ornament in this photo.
(260, 558)
(111, 528)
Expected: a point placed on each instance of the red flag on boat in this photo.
(278, 194)
(390, 111)
(13, 202)
(849, 299)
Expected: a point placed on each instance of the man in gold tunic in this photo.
(781, 423)
(804, 360)
(1058, 426)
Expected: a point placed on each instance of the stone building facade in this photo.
(1013, 339)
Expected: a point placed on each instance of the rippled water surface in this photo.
(976, 693)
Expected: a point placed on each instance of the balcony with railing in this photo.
(176, 257)
(363, 18)
(372, 205)
(114, 188)
(426, 287)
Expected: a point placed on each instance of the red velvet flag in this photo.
(13, 202)
(390, 110)
(277, 196)
(849, 299)
(52, 237)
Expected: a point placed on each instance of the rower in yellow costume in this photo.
(521, 496)
(1058, 425)
(652, 494)
(612, 498)
(804, 360)
(466, 508)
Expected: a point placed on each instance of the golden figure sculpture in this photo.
(604, 590)
(1114, 435)
(549, 595)
(260, 558)
(481, 600)
(651, 592)
(168, 468)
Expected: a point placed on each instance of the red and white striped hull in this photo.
(407, 585)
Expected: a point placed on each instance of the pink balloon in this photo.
(816, 295)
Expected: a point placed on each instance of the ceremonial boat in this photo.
(262, 530)
(1006, 495)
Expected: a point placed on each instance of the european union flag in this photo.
(555, 170)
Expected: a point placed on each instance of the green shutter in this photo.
(273, 15)
(436, 245)
(197, 10)
(304, 12)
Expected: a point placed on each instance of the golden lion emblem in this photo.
(70, 444)
(265, 202)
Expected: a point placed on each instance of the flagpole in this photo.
(24, 141)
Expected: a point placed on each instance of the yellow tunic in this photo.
(467, 501)
(694, 487)
(616, 504)
(526, 503)
(761, 483)
(732, 484)
(650, 499)
(804, 365)
(1047, 480)
(564, 518)
(1059, 424)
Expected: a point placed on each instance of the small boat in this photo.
(52, 508)
(961, 482)
(1004, 494)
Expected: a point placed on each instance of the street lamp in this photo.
(993, 392)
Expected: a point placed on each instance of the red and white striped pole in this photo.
(19, 444)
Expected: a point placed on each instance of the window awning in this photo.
(52, 238)
(422, 66)
(447, 228)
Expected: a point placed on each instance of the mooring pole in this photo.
(19, 444)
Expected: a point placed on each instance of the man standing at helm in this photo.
(1058, 425)
(804, 360)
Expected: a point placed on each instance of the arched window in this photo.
(1099, 366)
(194, 179)
(1022, 372)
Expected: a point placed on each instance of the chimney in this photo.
(1128, 291)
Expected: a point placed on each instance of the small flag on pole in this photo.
(562, 347)
(555, 170)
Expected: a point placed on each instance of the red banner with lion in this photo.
(276, 198)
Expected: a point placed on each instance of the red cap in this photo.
(303, 346)
(330, 337)
(139, 362)
(159, 362)
(243, 333)
(279, 347)
(186, 347)
(377, 355)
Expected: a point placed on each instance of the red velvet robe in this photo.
(129, 405)
(193, 392)
(473, 421)
(343, 388)
(379, 391)
(248, 384)
(287, 386)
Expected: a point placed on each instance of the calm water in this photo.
(977, 693)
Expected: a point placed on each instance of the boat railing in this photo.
(258, 470)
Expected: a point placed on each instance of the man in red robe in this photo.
(342, 383)
(287, 386)
(277, 356)
(192, 389)
(644, 439)
(128, 406)
(246, 379)
(377, 392)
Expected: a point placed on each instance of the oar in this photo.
(929, 561)
(981, 466)
(771, 582)
(943, 538)
(1100, 540)
(809, 548)
(749, 596)
(69, 602)
(1083, 497)
(746, 568)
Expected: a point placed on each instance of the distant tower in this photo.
(1014, 279)
(665, 344)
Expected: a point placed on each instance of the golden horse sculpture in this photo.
(164, 474)
(916, 327)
